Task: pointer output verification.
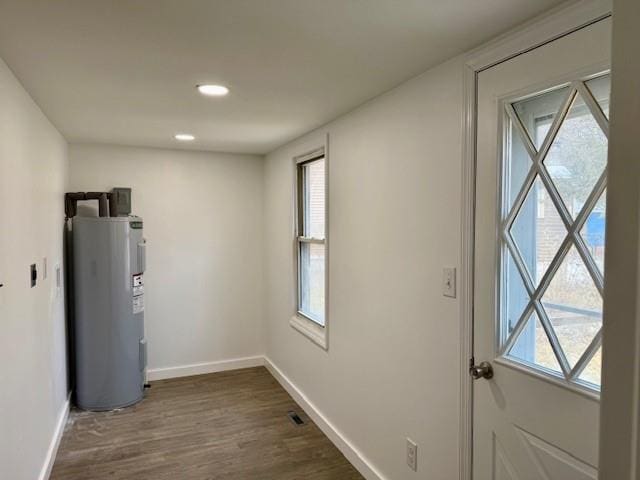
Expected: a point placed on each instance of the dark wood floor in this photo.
(230, 425)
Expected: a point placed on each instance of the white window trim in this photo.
(310, 329)
(318, 334)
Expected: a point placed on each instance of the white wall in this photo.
(620, 409)
(33, 376)
(203, 224)
(392, 369)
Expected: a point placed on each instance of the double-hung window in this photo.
(310, 236)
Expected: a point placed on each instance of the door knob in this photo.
(484, 370)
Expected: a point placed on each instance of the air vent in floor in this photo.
(295, 418)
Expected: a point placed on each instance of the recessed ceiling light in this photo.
(184, 137)
(213, 90)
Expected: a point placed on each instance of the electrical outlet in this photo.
(449, 282)
(412, 455)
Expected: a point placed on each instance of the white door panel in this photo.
(503, 470)
(555, 463)
(538, 417)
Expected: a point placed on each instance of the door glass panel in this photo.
(518, 163)
(516, 296)
(593, 231)
(538, 112)
(574, 306)
(538, 231)
(570, 298)
(592, 371)
(577, 157)
(533, 347)
(600, 88)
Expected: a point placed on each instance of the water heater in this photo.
(108, 289)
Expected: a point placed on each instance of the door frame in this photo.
(554, 24)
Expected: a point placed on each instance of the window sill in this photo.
(310, 329)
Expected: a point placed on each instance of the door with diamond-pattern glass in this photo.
(541, 188)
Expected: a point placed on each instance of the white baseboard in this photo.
(206, 367)
(55, 441)
(355, 457)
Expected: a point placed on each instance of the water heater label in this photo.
(138, 293)
(138, 304)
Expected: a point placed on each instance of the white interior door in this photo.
(539, 251)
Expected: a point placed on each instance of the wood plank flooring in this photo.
(229, 425)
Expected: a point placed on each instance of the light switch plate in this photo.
(449, 282)
(412, 455)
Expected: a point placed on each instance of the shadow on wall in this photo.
(67, 236)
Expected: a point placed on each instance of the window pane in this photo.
(593, 231)
(574, 306)
(314, 199)
(600, 88)
(537, 113)
(538, 231)
(592, 371)
(518, 165)
(577, 157)
(312, 266)
(533, 346)
(515, 296)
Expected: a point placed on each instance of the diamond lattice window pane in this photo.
(593, 231)
(538, 230)
(515, 295)
(537, 113)
(593, 371)
(518, 166)
(574, 306)
(600, 88)
(532, 346)
(577, 157)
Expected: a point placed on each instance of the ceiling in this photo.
(124, 71)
